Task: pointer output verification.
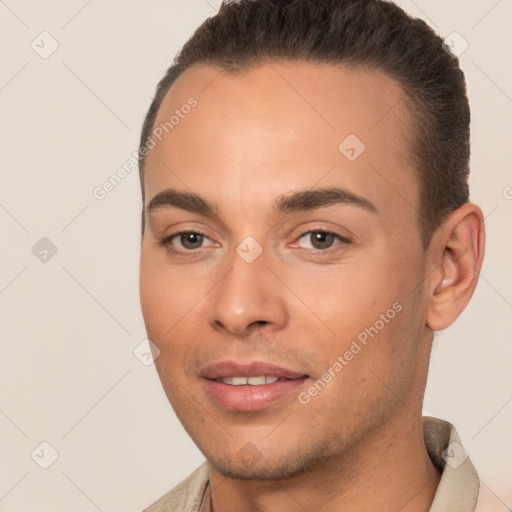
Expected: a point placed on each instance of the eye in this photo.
(184, 241)
(190, 240)
(320, 240)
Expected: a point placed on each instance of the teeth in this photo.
(256, 381)
(252, 381)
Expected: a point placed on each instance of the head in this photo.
(307, 208)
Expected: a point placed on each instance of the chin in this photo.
(238, 471)
(253, 465)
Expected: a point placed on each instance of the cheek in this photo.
(349, 297)
(164, 311)
(152, 297)
(159, 284)
(161, 302)
(368, 304)
(172, 309)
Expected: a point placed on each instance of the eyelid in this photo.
(342, 239)
(165, 241)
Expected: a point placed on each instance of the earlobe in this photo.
(457, 251)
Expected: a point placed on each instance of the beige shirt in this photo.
(458, 489)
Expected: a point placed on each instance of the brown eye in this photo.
(186, 243)
(322, 239)
(191, 240)
(319, 240)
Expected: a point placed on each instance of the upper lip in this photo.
(223, 369)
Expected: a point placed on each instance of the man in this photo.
(306, 228)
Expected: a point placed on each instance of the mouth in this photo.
(250, 387)
(259, 380)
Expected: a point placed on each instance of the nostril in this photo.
(259, 322)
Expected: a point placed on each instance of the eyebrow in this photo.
(320, 198)
(302, 200)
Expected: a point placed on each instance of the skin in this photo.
(252, 138)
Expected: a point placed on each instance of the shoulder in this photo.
(459, 485)
(185, 496)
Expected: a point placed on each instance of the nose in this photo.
(249, 297)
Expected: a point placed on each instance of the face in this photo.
(281, 264)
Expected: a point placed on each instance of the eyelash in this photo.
(165, 242)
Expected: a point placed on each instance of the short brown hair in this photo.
(372, 33)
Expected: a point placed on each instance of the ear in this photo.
(456, 254)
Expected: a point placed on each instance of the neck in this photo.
(388, 470)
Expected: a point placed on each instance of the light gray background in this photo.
(68, 375)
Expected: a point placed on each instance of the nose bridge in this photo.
(248, 293)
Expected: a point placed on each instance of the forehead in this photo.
(284, 125)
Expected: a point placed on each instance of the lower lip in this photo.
(251, 398)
